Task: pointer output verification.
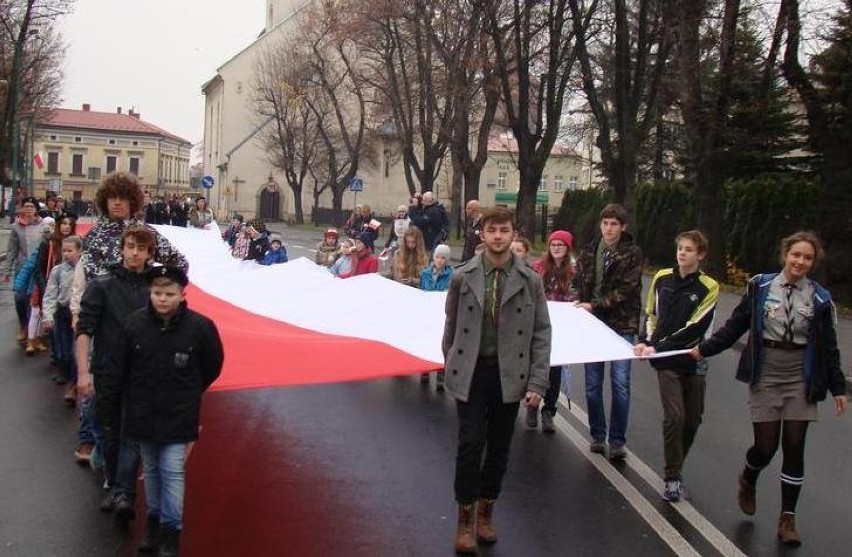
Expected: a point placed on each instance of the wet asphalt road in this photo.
(366, 469)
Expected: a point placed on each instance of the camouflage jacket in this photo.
(102, 247)
(621, 284)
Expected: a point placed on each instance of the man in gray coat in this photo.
(497, 351)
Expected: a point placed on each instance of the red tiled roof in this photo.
(508, 144)
(104, 121)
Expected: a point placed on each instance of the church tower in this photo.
(279, 10)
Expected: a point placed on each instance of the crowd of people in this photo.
(121, 338)
(101, 299)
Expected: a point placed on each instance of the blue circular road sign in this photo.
(207, 182)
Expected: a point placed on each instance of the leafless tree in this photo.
(704, 110)
(534, 56)
(291, 137)
(623, 57)
(34, 77)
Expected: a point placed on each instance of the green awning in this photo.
(541, 198)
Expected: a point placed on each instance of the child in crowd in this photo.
(242, 241)
(57, 315)
(259, 244)
(556, 272)
(521, 247)
(168, 355)
(410, 258)
(328, 250)
(436, 278)
(277, 252)
(342, 267)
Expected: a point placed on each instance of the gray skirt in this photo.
(780, 393)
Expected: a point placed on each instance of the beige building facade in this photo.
(246, 182)
(74, 149)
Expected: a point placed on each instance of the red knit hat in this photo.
(562, 236)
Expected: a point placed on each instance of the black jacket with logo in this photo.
(679, 312)
(162, 368)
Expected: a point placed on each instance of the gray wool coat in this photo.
(523, 338)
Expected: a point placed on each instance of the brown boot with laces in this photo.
(747, 496)
(485, 531)
(787, 530)
(465, 540)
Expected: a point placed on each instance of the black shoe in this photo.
(151, 542)
(547, 422)
(169, 542)
(617, 452)
(424, 378)
(108, 503)
(124, 511)
(597, 447)
(439, 383)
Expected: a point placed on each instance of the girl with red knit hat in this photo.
(556, 268)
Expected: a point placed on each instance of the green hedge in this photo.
(758, 213)
(579, 213)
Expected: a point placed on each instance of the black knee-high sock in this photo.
(760, 454)
(793, 467)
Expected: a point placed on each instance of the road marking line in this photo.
(704, 527)
(643, 507)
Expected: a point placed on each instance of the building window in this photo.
(78, 139)
(53, 138)
(542, 185)
(112, 141)
(134, 166)
(135, 143)
(501, 180)
(53, 163)
(77, 164)
(572, 183)
(111, 163)
(502, 165)
(557, 183)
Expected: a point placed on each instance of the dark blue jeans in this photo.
(22, 309)
(620, 408)
(63, 343)
(121, 455)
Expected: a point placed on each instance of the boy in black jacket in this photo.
(106, 303)
(168, 356)
(680, 309)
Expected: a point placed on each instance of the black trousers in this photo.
(486, 425)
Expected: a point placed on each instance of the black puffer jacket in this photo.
(106, 303)
(162, 370)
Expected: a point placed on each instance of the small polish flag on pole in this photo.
(38, 160)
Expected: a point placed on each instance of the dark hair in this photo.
(497, 215)
(696, 237)
(123, 186)
(614, 211)
(802, 236)
(524, 242)
(142, 235)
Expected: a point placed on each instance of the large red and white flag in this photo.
(297, 324)
(38, 160)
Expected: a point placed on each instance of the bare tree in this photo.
(291, 139)
(332, 84)
(534, 56)
(623, 61)
(398, 40)
(31, 54)
(704, 110)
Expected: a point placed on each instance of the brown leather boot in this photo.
(747, 496)
(485, 531)
(787, 530)
(465, 541)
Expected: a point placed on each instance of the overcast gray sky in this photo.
(154, 55)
